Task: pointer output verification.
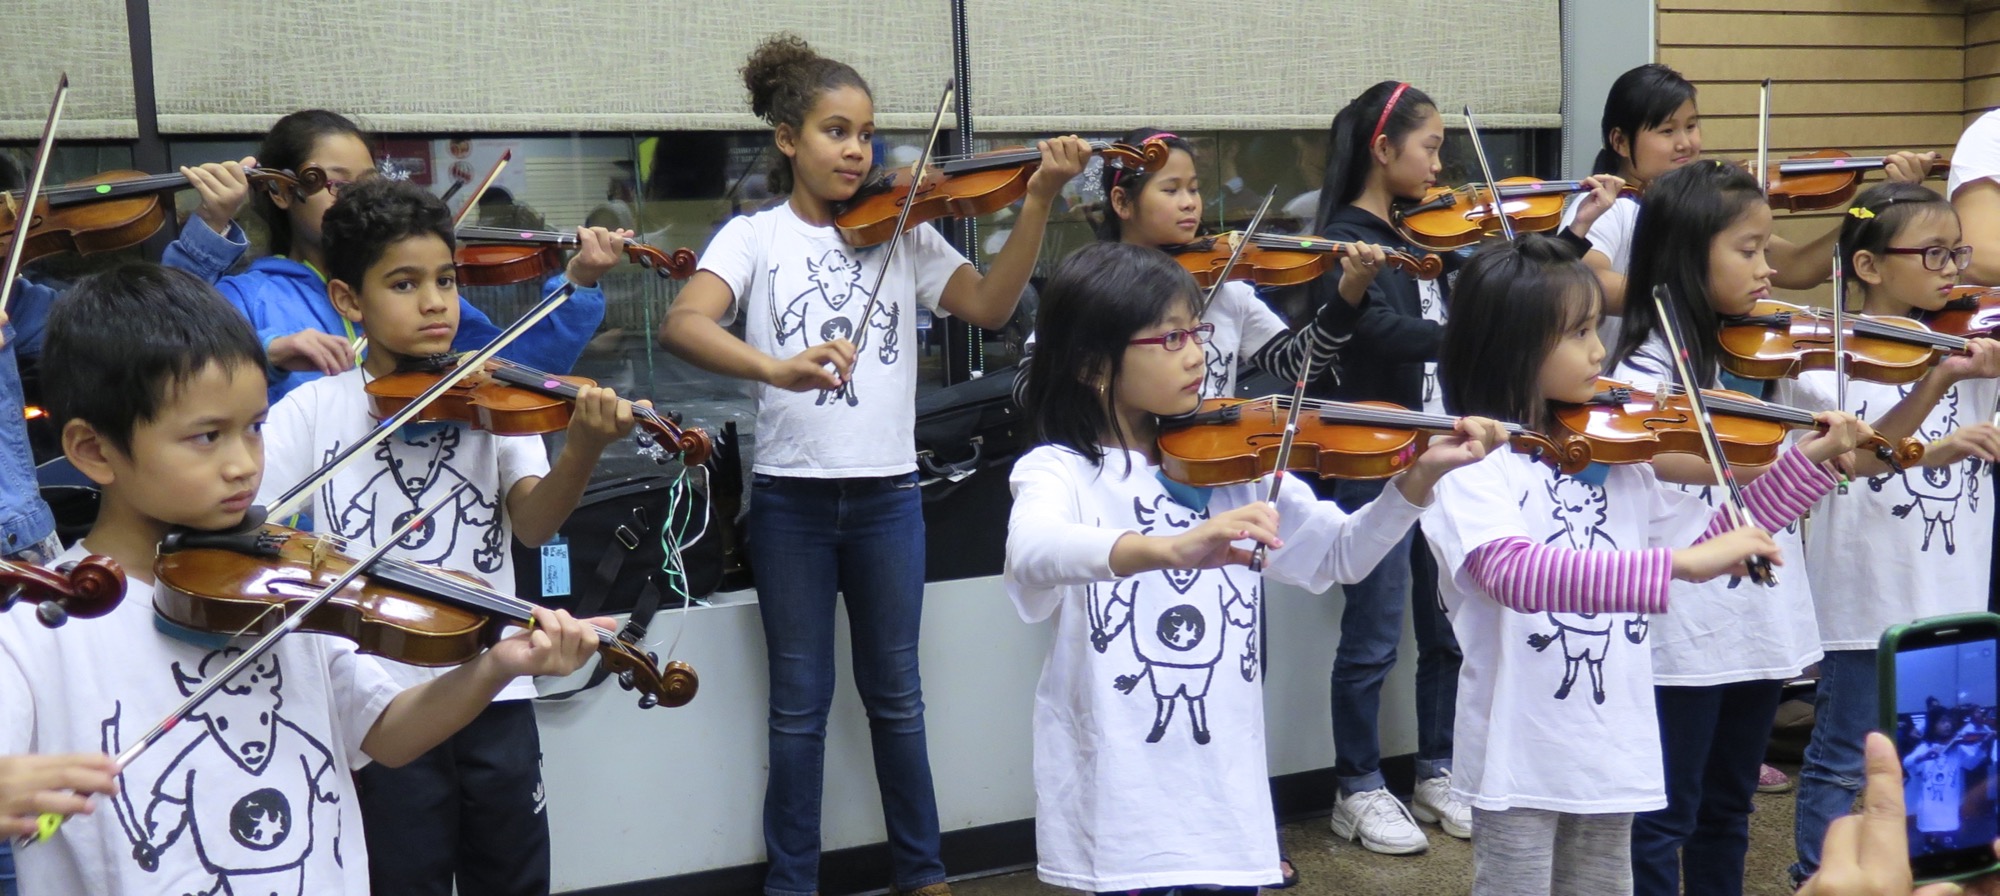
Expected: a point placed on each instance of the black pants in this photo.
(471, 808)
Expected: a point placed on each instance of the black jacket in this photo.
(1384, 361)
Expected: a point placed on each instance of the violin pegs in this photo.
(625, 680)
(8, 597)
(652, 659)
(648, 701)
(51, 614)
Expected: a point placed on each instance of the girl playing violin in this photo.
(1163, 208)
(1902, 251)
(836, 504)
(1650, 127)
(1147, 795)
(285, 294)
(1382, 150)
(1550, 581)
(1722, 657)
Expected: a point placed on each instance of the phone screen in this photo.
(1947, 688)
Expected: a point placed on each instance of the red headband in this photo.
(1387, 108)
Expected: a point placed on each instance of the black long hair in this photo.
(1109, 227)
(1883, 211)
(287, 146)
(1511, 305)
(1098, 299)
(785, 77)
(1353, 129)
(1684, 211)
(1641, 99)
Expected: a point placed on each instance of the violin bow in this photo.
(360, 344)
(24, 216)
(293, 499)
(1298, 388)
(50, 822)
(1764, 136)
(1839, 340)
(1486, 170)
(902, 218)
(1759, 567)
(1243, 239)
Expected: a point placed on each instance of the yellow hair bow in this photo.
(1862, 213)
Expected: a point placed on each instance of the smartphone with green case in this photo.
(1940, 702)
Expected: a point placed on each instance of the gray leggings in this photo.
(1532, 852)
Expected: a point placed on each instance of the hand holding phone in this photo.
(1867, 854)
(1940, 687)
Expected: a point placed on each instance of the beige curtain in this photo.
(1107, 67)
(40, 39)
(604, 65)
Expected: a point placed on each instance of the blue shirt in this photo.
(25, 518)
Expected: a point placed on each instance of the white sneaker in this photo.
(1380, 821)
(1435, 804)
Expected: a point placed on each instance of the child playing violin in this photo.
(160, 390)
(1903, 252)
(1147, 795)
(285, 294)
(471, 809)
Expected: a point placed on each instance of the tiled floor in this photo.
(1328, 867)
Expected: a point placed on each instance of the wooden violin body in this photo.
(965, 188)
(1624, 425)
(248, 582)
(1826, 179)
(1275, 260)
(510, 400)
(85, 589)
(1231, 440)
(1450, 217)
(493, 256)
(1777, 340)
(119, 209)
(1972, 311)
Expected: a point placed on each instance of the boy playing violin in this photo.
(471, 809)
(160, 387)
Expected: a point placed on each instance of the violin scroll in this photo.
(671, 686)
(85, 589)
(1147, 156)
(1570, 455)
(1424, 267)
(676, 265)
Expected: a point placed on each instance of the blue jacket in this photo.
(282, 297)
(24, 517)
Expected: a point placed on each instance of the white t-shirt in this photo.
(1728, 629)
(1149, 716)
(800, 285)
(1977, 155)
(1555, 710)
(1611, 234)
(1243, 324)
(1938, 771)
(254, 794)
(1900, 546)
(370, 499)
(1430, 301)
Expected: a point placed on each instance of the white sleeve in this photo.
(1048, 546)
(359, 690)
(733, 255)
(1255, 320)
(17, 702)
(1977, 155)
(520, 457)
(1675, 516)
(935, 260)
(1472, 506)
(1325, 545)
(1611, 233)
(288, 444)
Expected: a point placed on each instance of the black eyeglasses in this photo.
(1173, 340)
(1934, 256)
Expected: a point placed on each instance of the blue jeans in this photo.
(1713, 741)
(865, 539)
(1371, 628)
(6, 868)
(1844, 711)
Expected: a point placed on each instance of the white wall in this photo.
(1601, 40)
(636, 795)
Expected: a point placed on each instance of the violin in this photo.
(1777, 340)
(119, 209)
(85, 589)
(1971, 311)
(249, 581)
(1276, 260)
(965, 187)
(1233, 440)
(1450, 217)
(510, 399)
(1823, 180)
(494, 256)
(1622, 424)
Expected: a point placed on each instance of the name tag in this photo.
(555, 568)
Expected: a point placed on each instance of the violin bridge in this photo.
(321, 547)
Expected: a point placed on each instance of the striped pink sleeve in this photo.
(1533, 578)
(1788, 488)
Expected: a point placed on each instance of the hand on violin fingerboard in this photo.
(61, 785)
(1604, 190)
(1358, 269)
(599, 418)
(557, 644)
(1908, 167)
(1471, 439)
(1063, 158)
(224, 187)
(1843, 432)
(1980, 360)
(597, 251)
